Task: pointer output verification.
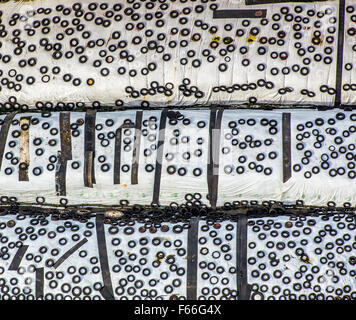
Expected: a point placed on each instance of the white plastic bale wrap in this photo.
(210, 253)
(241, 65)
(252, 184)
(153, 253)
(131, 261)
(321, 187)
(302, 258)
(287, 258)
(349, 78)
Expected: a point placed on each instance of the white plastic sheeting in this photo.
(318, 189)
(79, 276)
(348, 79)
(241, 63)
(314, 254)
(290, 258)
